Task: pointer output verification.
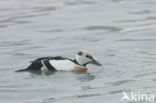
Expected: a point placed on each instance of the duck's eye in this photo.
(91, 57)
(87, 56)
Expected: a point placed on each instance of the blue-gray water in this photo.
(121, 34)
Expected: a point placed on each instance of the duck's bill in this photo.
(96, 62)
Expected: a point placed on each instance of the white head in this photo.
(84, 58)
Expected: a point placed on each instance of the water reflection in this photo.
(86, 77)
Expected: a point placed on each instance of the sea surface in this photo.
(120, 34)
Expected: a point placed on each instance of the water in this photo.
(121, 34)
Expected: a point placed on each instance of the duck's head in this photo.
(84, 58)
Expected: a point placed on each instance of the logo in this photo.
(137, 96)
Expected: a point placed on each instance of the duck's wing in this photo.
(50, 58)
(37, 64)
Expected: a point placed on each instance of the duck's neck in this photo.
(76, 60)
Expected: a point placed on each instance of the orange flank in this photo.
(78, 68)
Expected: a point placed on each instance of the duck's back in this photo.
(50, 64)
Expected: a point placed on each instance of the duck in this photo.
(59, 63)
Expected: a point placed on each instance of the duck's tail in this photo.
(22, 70)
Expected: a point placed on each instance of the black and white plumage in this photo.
(61, 63)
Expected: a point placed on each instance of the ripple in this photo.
(116, 92)
(151, 18)
(121, 82)
(138, 20)
(52, 30)
(86, 39)
(144, 74)
(154, 79)
(131, 40)
(15, 43)
(140, 12)
(79, 2)
(13, 20)
(17, 17)
(131, 20)
(49, 100)
(107, 28)
(20, 54)
(146, 52)
(118, 0)
(22, 22)
(44, 9)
